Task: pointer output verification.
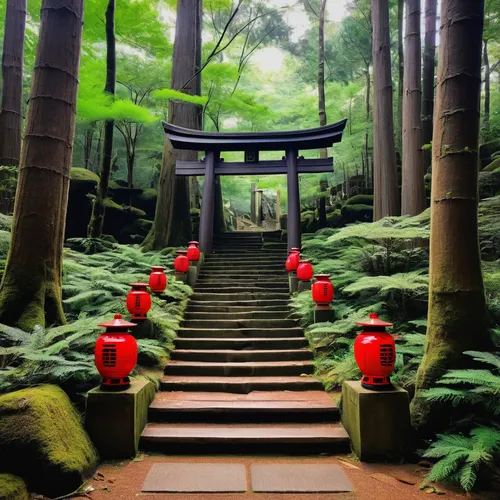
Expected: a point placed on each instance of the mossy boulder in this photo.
(488, 149)
(357, 213)
(494, 165)
(334, 219)
(43, 441)
(83, 183)
(147, 201)
(360, 199)
(12, 488)
(489, 184)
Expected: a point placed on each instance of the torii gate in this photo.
(213, 143)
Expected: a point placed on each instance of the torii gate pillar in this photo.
(293, 224)
(208, 204)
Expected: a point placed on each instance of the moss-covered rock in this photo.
(43, 441)
(83, 175)
(494, 165)
(360, 199)
(12, 488)
(147, 201)
(334, 219)
(488, 149)
(357, 213)
(489, 184)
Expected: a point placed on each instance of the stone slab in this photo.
(304, 286)
(192, 276)
(323, 314)
(196, 478)
(115, 420)
(298, 478)
(378, 422)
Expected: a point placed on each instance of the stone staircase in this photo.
(240, 376)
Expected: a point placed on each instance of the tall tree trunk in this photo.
(323, 153)
(367, 116)
(457, 309)
(385, 176)
(428, 78)
(413, 189)
(401, 66)
(130, 169)
(98, 209)
(87, 147)
(31, 288)
(487, 88)
(11, 114)
(172, 224)
(219, 221)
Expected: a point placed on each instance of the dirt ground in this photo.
(123, 480)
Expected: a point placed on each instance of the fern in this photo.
(463, 457)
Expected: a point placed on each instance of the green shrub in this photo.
(357, 213)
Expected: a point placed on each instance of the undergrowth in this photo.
(95, 286)
(383, 267)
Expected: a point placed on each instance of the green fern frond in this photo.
(485, 357)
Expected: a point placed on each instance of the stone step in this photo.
(257, 278)
(269, 281)
(243, 344)
(241, 333)
(243, 296)
(241, 369)
(258, 406)
(225, 324)
(239, 289)
(330, 436)
(244, 264)
(239, 385)
(202, 307)
(209, 259)
(233, 356)
(284, 314)
(252, 252)
(254, 304)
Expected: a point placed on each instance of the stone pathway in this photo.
(241, 374)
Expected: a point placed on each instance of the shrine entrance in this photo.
(251, 143)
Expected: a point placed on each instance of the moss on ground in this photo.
(43, 441)
(12, 488)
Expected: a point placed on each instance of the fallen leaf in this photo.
(384, 478)
(426, 464)
(347, 463)
(405, 478)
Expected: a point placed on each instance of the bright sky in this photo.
(270, 59)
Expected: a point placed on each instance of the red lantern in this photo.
(181, 262)
(305, 270)
(157, 279)
(193, 252)
(293, 260)
(375, 353)
(116, 353)
(138, 301)
(322, 290)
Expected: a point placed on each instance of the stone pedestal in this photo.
(115, 420)
(181, 277)
(144, 329)
(323, 314)
(192, 275)
(304, 286)
(377, 422)
(293, 282)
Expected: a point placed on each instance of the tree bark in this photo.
(98, 208)
(172, 224)
(428, 78)
(413, 189)
(385, 174)
(219, 221)
(31, 288)
(323, 153)
(401, 65)
(487, 88)
(11, 114)
(367, 135)
(457, 309)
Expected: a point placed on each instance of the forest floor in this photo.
(123, 480)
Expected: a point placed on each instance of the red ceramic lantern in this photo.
(193, 252)
(157, 279)
(293, 260)
(116, 353)
(322, 290)
(375, 353)
(181, 262)
(138, 301)
(305, 270)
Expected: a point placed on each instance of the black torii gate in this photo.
(213, 143)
